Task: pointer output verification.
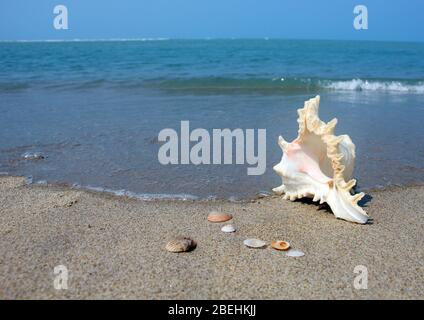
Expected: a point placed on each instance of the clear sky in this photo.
(399, 20)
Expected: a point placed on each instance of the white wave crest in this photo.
(365, 85)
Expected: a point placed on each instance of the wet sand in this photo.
(114, 247)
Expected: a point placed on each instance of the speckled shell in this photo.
(181, 244)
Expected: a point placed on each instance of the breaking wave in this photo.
(366, 85)
(226, 85)
(285, 85)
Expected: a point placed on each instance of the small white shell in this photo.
(228, 228)
(294, 253)
(254, 243)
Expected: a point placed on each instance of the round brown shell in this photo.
(219, 217)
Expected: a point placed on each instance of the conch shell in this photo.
(319, 165)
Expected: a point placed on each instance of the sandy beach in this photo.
(114, 247)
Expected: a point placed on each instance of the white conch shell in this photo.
(317, 165)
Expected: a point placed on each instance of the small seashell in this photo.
(280, 245)
(254, 243)
(294, 253)
(181, 244)
(228, 228)
(215, 216)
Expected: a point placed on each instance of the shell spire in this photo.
(319, 165)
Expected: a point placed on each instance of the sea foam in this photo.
(369, 85)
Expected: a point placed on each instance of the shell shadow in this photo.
(364, 201)
(320, 207)
(325, 207)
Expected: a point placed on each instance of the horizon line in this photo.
(199, 39)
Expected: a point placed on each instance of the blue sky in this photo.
(397, 20)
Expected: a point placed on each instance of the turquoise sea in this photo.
(93, 109)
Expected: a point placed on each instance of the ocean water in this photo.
(93, 109)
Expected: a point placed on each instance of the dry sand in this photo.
(114, 247)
